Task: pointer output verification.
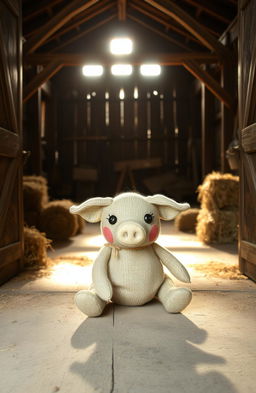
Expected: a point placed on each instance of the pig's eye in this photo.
(148, 218)
(112, 219)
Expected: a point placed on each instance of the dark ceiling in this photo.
(213, 17)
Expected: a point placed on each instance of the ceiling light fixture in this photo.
(121, 69)
(92, 70)
(150, 69)
(121, 46)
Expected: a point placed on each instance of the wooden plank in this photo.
(249, 138)
(5, 198)
(10, 143)
(51, 69)
(77, 59)
(9, 253)
(210, 82)
(184, 19)
(7, 83)
(55, 23)
(85, 174)
(138, 164)
(248, 251)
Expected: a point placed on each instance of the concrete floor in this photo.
(47, 345)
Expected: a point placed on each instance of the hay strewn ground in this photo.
(219, 270)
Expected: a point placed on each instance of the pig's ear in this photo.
(168, 208)
(91, 209)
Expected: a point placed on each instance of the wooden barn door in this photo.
(11, 221)
(247, 131)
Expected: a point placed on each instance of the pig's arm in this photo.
(172, 263)
(100, 279)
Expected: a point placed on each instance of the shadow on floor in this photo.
(144, 349)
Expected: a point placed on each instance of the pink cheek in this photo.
(154, 232)
(107, 234)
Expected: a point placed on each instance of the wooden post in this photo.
(33, 131)
(227, 114)
(207, 131)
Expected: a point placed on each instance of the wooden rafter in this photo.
(214, 86)
(40, 10)
(83, 33)
(149, 12)
(55, 23)
(159, 32)
(76, 59)
(121, 6)
(80, 21)
(210, 9)
(50, 69)
(184, 19)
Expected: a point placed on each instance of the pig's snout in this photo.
(131, 234)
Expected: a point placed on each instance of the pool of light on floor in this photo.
(69, 273)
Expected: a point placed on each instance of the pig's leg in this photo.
(89, 303)
(173, 299)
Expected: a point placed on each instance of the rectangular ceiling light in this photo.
(121, 46)
(93, 70)
(121, 69)
(150, 69)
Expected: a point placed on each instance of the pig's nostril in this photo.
(125, 234)
(134, 235)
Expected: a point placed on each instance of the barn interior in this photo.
(71, 128)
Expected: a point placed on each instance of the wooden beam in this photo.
(210, 83)
(158, 17)
(55, 23)
(121, 6)
(78, 22)
(160, 33)
(39, 10)
(207, 134)
(83, 33)
(50, 70)
(228, 82)
(184, 19)
(210, 9)
(76, 59)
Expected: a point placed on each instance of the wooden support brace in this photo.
(121, 5)
(210, 83)
(77, 59)
(55, 23)
(189, 23)
(51, 69)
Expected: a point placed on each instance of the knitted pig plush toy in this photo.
(129, 267)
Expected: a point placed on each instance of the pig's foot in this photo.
(173, 299)
(89, 303)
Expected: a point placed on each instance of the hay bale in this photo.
(186, 221)
(56, 220)
(31, 218)
(35, 246)
(217, 226)
(35, 193)
(219, 191)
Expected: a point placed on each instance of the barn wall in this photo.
(96, 129)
